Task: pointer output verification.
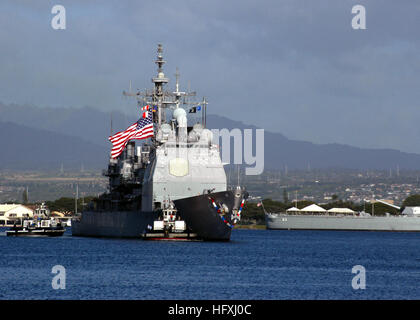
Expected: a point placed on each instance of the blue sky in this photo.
(295, 67)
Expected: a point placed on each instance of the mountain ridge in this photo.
(89, 127)
(38, 149)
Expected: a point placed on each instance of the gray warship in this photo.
(173, 185)
(360, 221)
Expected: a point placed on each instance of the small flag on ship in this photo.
(195, 109)
(145, 110)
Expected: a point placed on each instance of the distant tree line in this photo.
(254, 214)
(68, 205)
(64, 204)
(411, 201)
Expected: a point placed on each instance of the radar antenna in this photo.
(160, 99)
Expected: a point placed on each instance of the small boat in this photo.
(37, 228)
(168, 227)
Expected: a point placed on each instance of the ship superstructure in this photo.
(175, 180)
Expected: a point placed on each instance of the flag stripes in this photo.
(141, 129)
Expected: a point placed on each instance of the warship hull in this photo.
(112, 224)
(202, 217)
(178, 173)
(345, 223)
(199, 214)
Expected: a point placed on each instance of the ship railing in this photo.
(338, 215)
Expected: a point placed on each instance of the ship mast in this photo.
(159, 81)
(160, 99)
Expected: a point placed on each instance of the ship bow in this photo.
(212, 215)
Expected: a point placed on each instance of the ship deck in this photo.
(161, 236)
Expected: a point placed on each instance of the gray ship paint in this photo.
(356, 223)
(178, 162)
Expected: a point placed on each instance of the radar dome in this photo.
(179, 112)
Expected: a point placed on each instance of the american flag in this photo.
(141, 129)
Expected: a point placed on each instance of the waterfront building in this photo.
(11, 213)
(411, 211)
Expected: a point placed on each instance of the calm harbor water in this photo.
(256, 264)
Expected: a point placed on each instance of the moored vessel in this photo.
(173, 184)
(37, 228)
(361, 223)
(356, 221)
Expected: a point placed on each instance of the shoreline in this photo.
(251, 226)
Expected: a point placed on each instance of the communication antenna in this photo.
(160, 98)
(204, 112)
(177, 80)
(76, 198)
(230, 171)
(238, 173)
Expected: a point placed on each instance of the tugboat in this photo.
(171, 186)
(169, 226)
(37, 228)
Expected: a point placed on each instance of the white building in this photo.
(313, 208)
(10, 213)
(411, 211)
(341, 211)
